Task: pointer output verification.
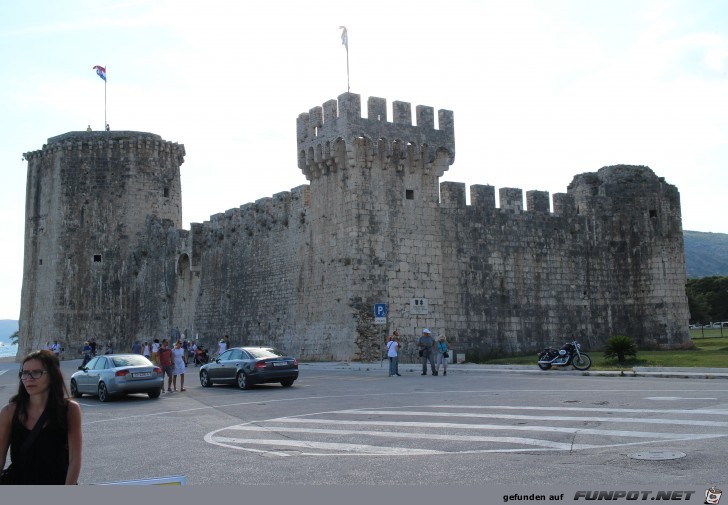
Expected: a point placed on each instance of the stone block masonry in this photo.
(106, 256)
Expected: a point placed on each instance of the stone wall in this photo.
(302, 270)
(609, 262)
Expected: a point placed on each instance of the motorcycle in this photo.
(201, 357)
(569, 354)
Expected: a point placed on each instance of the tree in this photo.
(620, 346)
(708, 299)
(14, 338)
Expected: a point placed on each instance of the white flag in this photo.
(344, 37)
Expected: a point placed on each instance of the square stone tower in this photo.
(374, 215)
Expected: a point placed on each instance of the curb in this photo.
(660, 372)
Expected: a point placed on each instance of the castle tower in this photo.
(637, 268)
(374, 215)
(96, 204)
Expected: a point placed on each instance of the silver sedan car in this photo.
(117, 374)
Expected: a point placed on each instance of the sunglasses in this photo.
(31, 374)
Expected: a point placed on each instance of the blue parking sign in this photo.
(380, 313)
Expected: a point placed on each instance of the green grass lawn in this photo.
(710, 352)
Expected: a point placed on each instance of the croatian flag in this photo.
(100, 71)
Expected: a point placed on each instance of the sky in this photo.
(541, 90)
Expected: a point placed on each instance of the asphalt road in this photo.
(361, 427)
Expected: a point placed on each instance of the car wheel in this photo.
(103, 393)
(286, 383)
(243, 382)
(154, 393)
(205, 380)
(74, 389)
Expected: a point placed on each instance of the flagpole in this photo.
(106, 124)
(345, 42)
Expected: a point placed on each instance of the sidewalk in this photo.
(70, 366)
(686, 373)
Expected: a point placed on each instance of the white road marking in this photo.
(304, 435)
(458, 426)
(329, 446)
(722, 412)
(674, 398)
(716, 424)
(418, 436)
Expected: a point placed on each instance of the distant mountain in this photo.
(706, 254)
(7, 328)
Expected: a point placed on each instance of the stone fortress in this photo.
(106, 256)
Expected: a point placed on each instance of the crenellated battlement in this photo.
(587, 192)
(263, 215)
(335, 136)
(452, 195)
(109, 141)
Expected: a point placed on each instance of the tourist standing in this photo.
(393, 354)
(442, 355)
(426, 345)
(56, 348)
(180, 362)
(164, 355)
(155, 352)
(147, 351)
(221, 346)
(86, 353)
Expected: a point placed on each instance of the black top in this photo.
(46, 461)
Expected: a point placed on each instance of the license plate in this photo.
(280, 363)
(142, 374)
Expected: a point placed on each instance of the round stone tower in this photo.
(92, 200)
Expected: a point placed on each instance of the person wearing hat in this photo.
(442, 355)
(393, 354)
(427, 348)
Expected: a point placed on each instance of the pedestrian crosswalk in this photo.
(467, 429)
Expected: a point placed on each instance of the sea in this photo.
(8, 350)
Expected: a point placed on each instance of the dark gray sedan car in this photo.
(117, 374)
(248, 366)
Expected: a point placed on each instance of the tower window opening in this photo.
(40, 261)
(166, 192)
(409, 194)
(97, 258)
(653, 213)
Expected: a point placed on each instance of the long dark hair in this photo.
(57, 391)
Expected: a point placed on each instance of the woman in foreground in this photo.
(41, 426)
